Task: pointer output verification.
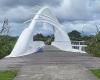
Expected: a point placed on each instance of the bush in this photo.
(6, 45)
(94, 45)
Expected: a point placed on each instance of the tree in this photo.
(75, 35)
(47, 39)
(5, 27)
(6, 42)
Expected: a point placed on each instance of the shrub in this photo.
(6, 45)
(94, 45)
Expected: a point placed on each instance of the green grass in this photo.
(8, 75)
(96, 72)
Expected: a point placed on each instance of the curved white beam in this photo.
(25, 40)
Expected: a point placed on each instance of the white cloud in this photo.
(19, 14)
(88, 27)
(72, 13)
(74, 10)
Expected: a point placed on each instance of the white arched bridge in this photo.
(25, 44)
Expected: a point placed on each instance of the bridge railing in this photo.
(80, 45)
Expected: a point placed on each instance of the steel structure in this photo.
(25, 44)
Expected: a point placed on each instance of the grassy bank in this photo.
(96, 72)
(8, 75)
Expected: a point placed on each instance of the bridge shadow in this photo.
(51, 51)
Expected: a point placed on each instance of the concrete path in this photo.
(52, 64)
(55, 72)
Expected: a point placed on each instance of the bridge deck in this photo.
(52, 55)
(51, 51)
(52, 64)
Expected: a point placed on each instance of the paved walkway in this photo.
(52, 64)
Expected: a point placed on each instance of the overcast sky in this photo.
(72, 14)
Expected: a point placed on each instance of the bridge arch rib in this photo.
(25, 41)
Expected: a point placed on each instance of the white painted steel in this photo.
(25, 44)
